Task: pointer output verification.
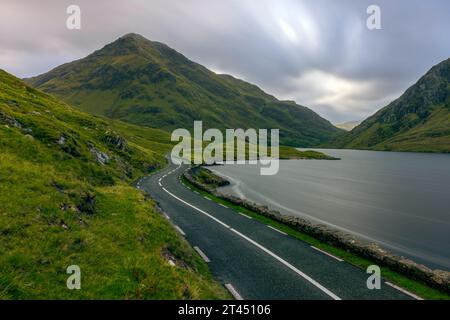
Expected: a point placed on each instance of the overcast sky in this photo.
(318, 53)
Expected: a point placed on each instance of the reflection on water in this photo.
(400, 200)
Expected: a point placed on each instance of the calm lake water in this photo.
(400, 200)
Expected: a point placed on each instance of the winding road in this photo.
(253, 260)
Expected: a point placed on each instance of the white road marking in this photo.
(159, 180)
(166, 216)
(233, 292)
(328, 254)
(196, 192)
(404, 291)
(222, 205)
(199, 210)
(202, 254)
(160, 183)
(284, 262)
(279, 231)
(180, 231)
(207, 198)
(244, 215)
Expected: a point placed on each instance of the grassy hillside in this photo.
(417, 121)
(66, 199)
(147, 83)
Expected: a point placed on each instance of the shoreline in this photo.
(338, 239)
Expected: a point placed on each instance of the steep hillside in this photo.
(66, 199)
(417, 121)
(147, 83)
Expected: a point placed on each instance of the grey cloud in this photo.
(308, 51)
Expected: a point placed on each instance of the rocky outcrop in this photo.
(7, 119)
(115, 140)
(101, 157)
(435, 278)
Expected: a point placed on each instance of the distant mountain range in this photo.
(147, 83)
(349, 125)
(417, 121)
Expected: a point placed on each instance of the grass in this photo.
(414, 286)
(149, 84)
(418, 121)
(60, 206)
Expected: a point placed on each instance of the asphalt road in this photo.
(251, 259)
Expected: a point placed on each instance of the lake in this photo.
(399, 200)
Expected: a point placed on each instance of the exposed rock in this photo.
(87, 203)
(61, 141)
(101, 157)
(115, 140)
(7, 119)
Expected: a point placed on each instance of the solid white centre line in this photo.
(404, 291)
(202, 254)
(284, 262)
(180, 231)
(328, 254)
(199, 210)
(279, 231)
(233, 292)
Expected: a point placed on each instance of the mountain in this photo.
(66, 199)
(147, 83)
(348, 126)
(417, 121)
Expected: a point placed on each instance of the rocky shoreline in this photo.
(436, 278)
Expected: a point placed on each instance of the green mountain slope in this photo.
(417, 121)
(147, 83)
(66, 199)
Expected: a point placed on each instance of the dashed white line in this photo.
(244, 215)
(160, 183)
(233, 292)
(328, 254)
(276, 257)
(180, 231)
(404, 291)
(196, 192)
(279, 231)
(202, 254)
(207, 198)
(222, 205)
